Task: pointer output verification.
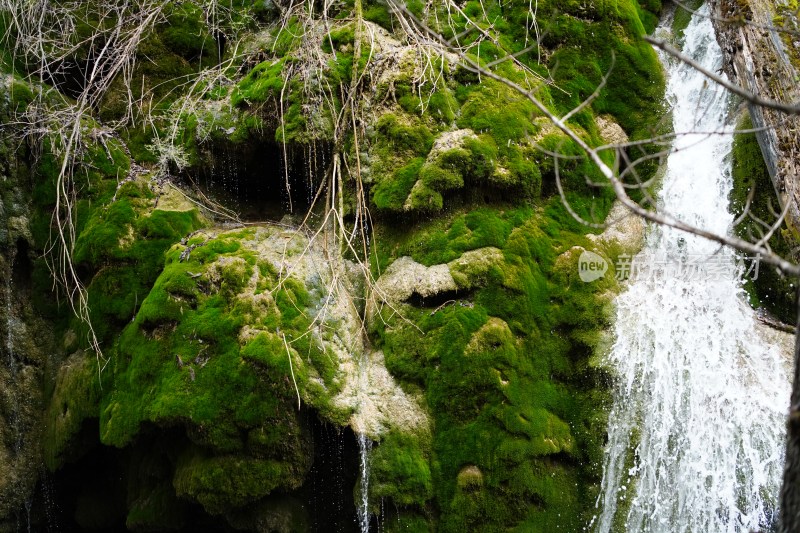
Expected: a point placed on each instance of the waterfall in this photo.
(364, 448)
(364, 445)
(696, 430)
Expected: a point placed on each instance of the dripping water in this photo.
(696, 430)
(364, 448)
(23, 523)
(12, 363)
(14, 415)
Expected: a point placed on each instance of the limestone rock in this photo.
(610, 131)
(624, 228)
(405, 277)
(450, 140)
(473, 267)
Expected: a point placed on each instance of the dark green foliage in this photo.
(219, 483)
(21, 95)
(75, 398)
(157, 507)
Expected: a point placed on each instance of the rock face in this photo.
(26, 343)
(756, 58)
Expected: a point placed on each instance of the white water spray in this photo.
(696, 432)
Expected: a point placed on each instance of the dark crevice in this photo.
(95, 491)
(440, 299)
(23, 267)
(251, 177)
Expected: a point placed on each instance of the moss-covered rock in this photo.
(506, 367)
(471, 361)
(753, 190)
(75, 398)
(28, 350)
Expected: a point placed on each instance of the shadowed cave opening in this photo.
(22, 267)
(264, 180)
(94, 491)
(328, 491)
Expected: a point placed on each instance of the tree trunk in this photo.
(790, 491)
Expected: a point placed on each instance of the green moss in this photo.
(441, 105)
(288, 37)
(769, 288)
(683, 16)
(424, 198)
(124, 243)
(339, 38)
(440, 178)
(575, 172)
(187, 361)
(391, 192)
(482, 155)
(517, 408)
(411, 139)
(379, 14)
(186, 34)
(75, 398)
(219, 483)
(263, 82)
(21, 95)
(586, 49)
(159, 508)
(495, 108)
(400, 470)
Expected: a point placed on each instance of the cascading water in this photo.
(696, 432)
(364, 448)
